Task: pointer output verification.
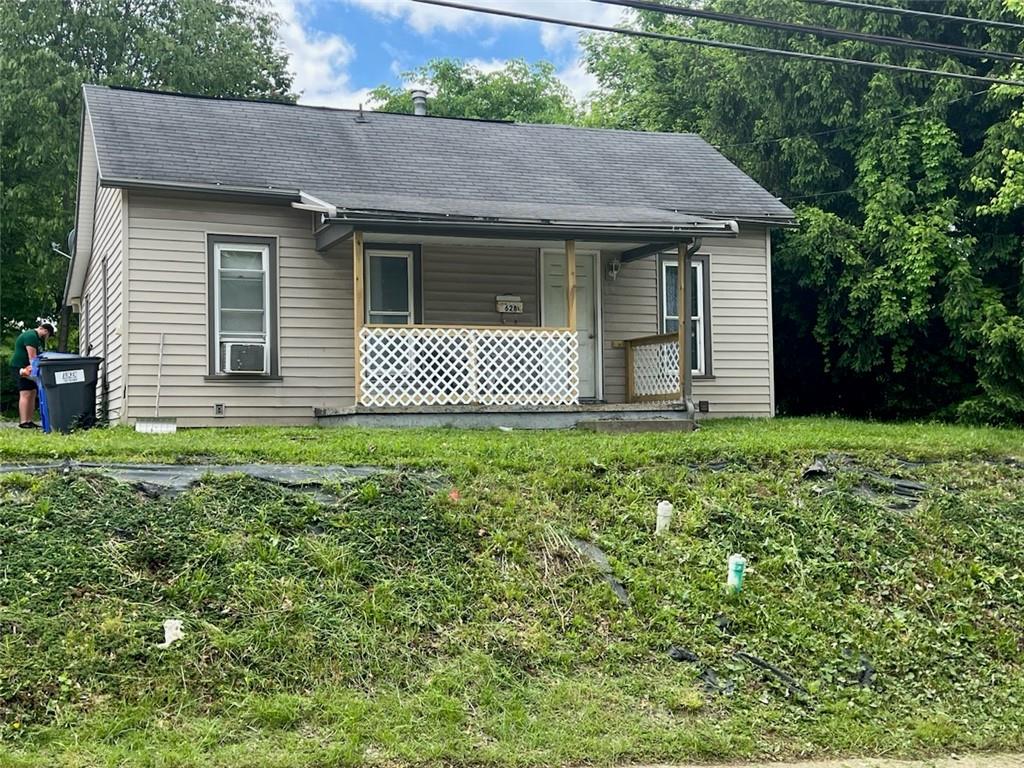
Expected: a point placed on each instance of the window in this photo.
(700, 337)
(242, 306)
(392, 280)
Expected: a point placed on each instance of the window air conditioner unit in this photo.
(245, 357)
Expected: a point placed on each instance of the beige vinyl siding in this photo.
(740, 327)
(630, 308)
(106, 264)
(460, 283)
(741, 355)
(167, 281)
(85, 212)
(771, 330)
(168, 285)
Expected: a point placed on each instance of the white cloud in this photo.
(556, 38)
(425, 19)
(488, 65)
(559, 41)
(319, 61)
(578, 80)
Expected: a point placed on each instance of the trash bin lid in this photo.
(66, 357)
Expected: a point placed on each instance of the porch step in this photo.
(648, 417)
(628, 426)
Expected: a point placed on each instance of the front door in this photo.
(553, 310)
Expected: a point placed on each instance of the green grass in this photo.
(401, 625)
(472, 451)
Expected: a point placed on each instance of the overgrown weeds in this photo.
(405, 624)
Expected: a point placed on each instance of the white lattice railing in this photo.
(424, 365)
(653, 367)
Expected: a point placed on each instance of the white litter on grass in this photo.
(505, 429)
(663, 518)
(172, 633)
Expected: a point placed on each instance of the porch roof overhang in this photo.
(564, 222)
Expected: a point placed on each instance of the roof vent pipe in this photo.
(419, 101)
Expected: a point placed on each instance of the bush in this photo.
(8, 391)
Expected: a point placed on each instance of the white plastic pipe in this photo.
(664, 517)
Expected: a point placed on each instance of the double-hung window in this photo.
(698, 309)
(242, 306)
(391, 287)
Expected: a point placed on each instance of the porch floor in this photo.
(599, 416)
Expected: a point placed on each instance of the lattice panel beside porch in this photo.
(656, 369)
(421, 365)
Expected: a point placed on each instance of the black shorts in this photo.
(24, 384)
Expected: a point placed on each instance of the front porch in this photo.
(541, 350)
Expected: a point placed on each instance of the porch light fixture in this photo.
(613, 269)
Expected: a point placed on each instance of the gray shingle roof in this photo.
(420, 164)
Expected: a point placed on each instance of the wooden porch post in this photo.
(358, 311)
(683, 309)
(570, 284)
(630, 379)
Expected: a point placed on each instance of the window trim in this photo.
(702, 262)
(413, 253)
(270, 292)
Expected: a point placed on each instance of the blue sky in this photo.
(340, 49)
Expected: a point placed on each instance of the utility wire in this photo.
(839, 34)
(818, 194)
(851, 126)
(717, 43)
(910, 12)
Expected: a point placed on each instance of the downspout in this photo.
(691, 250)
(62, 331)
(104, 381)
(65, 308)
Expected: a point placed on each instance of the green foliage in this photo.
(8, 391)
(906, 267)
(397, 625)
(1007, 142)
(238, 560)
(522, 92)
(48, 49)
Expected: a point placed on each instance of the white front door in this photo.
(553, 310)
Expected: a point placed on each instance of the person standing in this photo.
(26, 347)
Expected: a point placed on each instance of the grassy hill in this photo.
(456, 616)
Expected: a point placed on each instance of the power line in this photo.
(910, 12)
(818, 194)
(847, 190)
(851, 126)
(717, 43)
(839, 34)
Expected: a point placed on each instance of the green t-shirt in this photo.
(27, 339)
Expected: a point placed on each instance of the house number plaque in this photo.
(509, 305)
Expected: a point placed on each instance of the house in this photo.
(265, 263)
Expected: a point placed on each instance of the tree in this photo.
(525, 93)
(48, 49)
(901, 292)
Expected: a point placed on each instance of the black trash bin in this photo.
(67, 390)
